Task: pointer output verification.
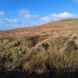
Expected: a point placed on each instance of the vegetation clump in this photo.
(60, 53)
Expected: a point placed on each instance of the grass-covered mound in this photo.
(56, 53)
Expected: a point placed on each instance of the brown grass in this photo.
(39, 49)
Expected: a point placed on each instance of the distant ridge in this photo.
(49, 27)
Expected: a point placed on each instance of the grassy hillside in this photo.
(39, 49)
(58, 26)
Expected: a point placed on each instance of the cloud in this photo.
(63, 15)
(8, 21)
(25, 18)
(57, 16)
(24, 13)
(2, 13)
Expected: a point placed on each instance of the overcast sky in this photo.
(23, 13)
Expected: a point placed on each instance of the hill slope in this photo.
(52, 46)
(58, 26)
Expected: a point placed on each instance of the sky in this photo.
(25, 13)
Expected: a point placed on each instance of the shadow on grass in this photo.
(51, 74)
